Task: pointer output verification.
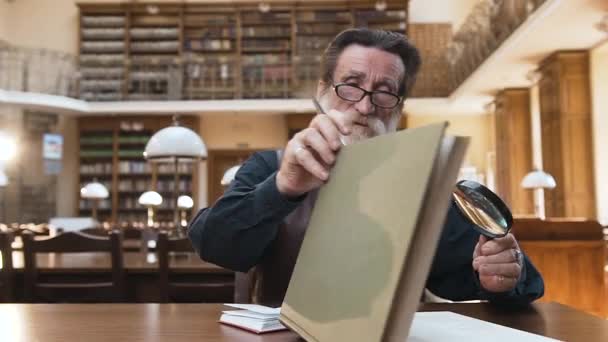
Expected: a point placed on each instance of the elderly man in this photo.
(261, 219)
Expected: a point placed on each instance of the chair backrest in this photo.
(73, 242)
(6, 273)
(164, 246)
(188, 286)
(131, 233)
(95, 231)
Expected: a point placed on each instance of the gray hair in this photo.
(388, 41)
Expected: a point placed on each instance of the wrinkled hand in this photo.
(498, 262)
(311, 153)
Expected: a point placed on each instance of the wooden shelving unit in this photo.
(103, 53)
(193, 51)
(111, 152)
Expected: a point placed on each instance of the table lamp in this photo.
(175, 144)
(184, 203)
(150, 200)
(538, 181)
(95, 192)
(229, 175)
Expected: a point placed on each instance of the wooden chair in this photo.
(95, 231)
(188, 289)
(94, 289)
(6, 273)
(133, 239)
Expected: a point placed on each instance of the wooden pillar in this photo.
(565, 105)
(514, 148)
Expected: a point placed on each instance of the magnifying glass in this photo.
(488, 214)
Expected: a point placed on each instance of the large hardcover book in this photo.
(372, 237)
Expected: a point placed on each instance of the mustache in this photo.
(376, 125)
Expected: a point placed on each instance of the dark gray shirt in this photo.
(237, 230)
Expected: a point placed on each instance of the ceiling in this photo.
(557, 25)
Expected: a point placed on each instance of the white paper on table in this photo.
(265, 310)
(448, 326)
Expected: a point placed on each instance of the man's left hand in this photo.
(498, 262)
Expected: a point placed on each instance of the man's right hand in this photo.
(311, 153)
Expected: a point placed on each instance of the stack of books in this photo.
(251, 317)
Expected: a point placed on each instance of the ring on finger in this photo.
(518, 256)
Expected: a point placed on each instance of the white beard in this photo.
(375, 127)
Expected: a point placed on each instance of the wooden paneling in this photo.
(297, 122)
(565, 104)
(570, 255)
(514, 148)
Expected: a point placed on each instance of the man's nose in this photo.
(365, 106)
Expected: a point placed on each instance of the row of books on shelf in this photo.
(266, 59)
(100, 84)
(101, 204)
(102, 72)
(96, 152)
(266, 72)
(268, 17)
(155, 46)
(128, 167)
(137, 185)
(129, 203)
(168, 185)
(96, 139)
(281, 44)
(154, 33)
(208, 44)
(103, 20)
(169, 168)
(104, 59)
(312, 46)
(133, 139)
(96, 168)
(100, 96)
(265, 31)
(131, 153)
(214, 32)
(319, 29)
(103, 33)
(370, 14)
(211, 70)
(316, 16)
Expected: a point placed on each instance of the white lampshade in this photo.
(150, 199)
(538, 179)
(3, 178)
(175, 141)
(185, 202)
(94, 190)
(229, 175)
(9, 146)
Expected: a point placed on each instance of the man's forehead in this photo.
(358, 60)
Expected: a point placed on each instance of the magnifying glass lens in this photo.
(484, 209)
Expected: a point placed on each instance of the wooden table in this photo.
(198, 322)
